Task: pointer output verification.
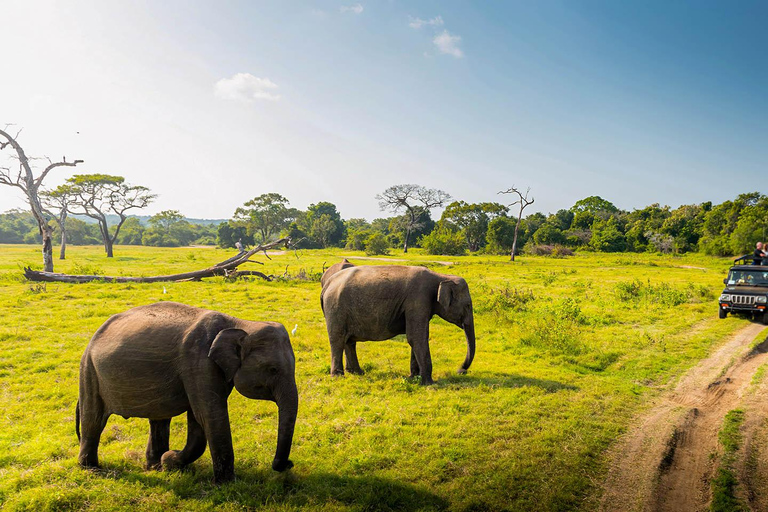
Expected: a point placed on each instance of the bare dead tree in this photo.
(411, 198)
(25, 180)
(523, 201)
(226, 268)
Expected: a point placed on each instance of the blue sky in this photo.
(213, 103)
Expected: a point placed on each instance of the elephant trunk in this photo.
(287, 401)
(469, 332)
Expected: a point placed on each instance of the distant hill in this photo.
(144, 219)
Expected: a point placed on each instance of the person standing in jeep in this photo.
(758, 255)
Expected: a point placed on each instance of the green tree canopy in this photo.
(266, 216)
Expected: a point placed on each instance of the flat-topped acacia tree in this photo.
(56, 202)
(23, 178)
(100, 195)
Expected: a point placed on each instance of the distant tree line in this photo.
(591, 224)
(165, 229)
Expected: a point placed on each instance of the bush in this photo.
(376, 244)
(504, 299)
(443, 241)
(557, 251)
(665, 294)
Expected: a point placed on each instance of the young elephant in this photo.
(161, 360)
(379, 302)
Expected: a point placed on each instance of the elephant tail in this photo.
(77, 419)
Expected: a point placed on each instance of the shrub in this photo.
(552, 333)
(504, 299)
(557, 251)
(376, 244)
(665, 294)
(443, 241)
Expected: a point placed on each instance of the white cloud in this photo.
(448, 43)
(437, 21)
(246, 87)
(357, 8)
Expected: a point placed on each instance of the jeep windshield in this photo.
(748, 277)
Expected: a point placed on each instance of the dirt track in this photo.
(665, 462)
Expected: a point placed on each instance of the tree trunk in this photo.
(63, 252)
(227, 268)
(47, 234)
(514, 239)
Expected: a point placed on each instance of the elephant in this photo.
(161, 360)
(373, 303)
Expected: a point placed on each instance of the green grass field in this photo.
(568, 351)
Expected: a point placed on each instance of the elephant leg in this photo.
(338, 342)
(417, 332)
(414, 365)
(159, 437)
(192, 451)
(214, 419)
(350, 353)
(93, 419)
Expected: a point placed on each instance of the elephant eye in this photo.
(272, 370)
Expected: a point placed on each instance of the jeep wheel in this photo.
(764, 319)
(723, 313)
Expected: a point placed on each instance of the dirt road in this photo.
(666, 462)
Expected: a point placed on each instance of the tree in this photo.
(607, 237)
(130, 234)
(56, 202)
(16, 226)
(398, 227)
(323, 228)
(266, 215)
(501, 235)
(168, 229)
(25, 180)
(472, 220)
(548, 234)
(595, 205)
(99, 195)
(407, 198)
(444, 240)
(524, 202)
(376, 243)
(228, 234)
(322, 222)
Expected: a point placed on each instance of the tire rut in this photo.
(665, 462)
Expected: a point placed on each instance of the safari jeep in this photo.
(746, 291)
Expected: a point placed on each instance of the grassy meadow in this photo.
(568, 351)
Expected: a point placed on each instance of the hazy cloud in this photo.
(357, 8)
(448, 43)
(437, 21)
(246, 87)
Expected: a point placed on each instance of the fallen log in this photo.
(227, 268)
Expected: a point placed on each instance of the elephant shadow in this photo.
(255, 488)
(451, 380)
(502, 380)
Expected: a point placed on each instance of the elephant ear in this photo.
(225, 351)
(445, 293)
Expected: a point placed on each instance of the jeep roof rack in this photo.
(743, 259)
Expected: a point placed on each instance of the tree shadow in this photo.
(255, 488)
